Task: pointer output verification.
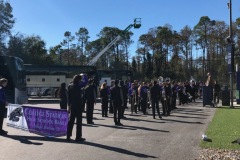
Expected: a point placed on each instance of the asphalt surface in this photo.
(176, 137)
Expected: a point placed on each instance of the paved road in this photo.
(175, 137)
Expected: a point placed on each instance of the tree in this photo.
(56, 54)
(186, 40)
(66, 42)
(82, 38)
(34, 50)
(16, 45)
(6, 23)
(201, 31)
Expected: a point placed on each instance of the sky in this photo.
(50, 19)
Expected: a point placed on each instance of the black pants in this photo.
(117, 111)
(63, 105)
(155, 105)
(75, 114)
(104, 106)
(164, 106)
(144, 105)
(111, 106)
(169, 108)
(2, 114)
(174, 98)
(90, 108)
(216, 97)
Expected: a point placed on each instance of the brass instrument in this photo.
(160, 79)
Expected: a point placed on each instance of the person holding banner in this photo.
(75, 108)
(62, 94)
(3, 104)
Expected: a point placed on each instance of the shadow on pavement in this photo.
(22, 139)
(26, 140)
(119, 150)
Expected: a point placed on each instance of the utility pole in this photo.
(231, 58)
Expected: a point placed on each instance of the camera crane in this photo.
(136, 24)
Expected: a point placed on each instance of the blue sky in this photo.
(51, 18)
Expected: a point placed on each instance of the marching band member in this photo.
(155, 95)
(144, 97)
(133, 98)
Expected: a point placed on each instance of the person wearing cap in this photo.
(110, 103)
(104, 99)
(117, 100)
(75, 107)
(144, 97)
(168, 93)
(174, 95)
(90, 96)
(125, 96)
(132, 98)
(155, 95)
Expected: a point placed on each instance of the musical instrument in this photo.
(160, 79)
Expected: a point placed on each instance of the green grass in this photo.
(224, 128)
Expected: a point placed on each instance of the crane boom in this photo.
(137, 24)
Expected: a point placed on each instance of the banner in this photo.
(43, 121)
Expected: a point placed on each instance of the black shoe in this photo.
(2, 132)
(80, 139)
(160, 117)
(69, 139)
(118, 124)
(106, 116)
(90, 122)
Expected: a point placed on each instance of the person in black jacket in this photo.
(110, 103)
(3, 103)
(90, 96)
(155, 95)
(168, 93)
(125, 96)
(117, 100)
(62, 94)
(104, 97)
(216, 92)
(75, 108)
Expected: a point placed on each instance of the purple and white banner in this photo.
(43, 121)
